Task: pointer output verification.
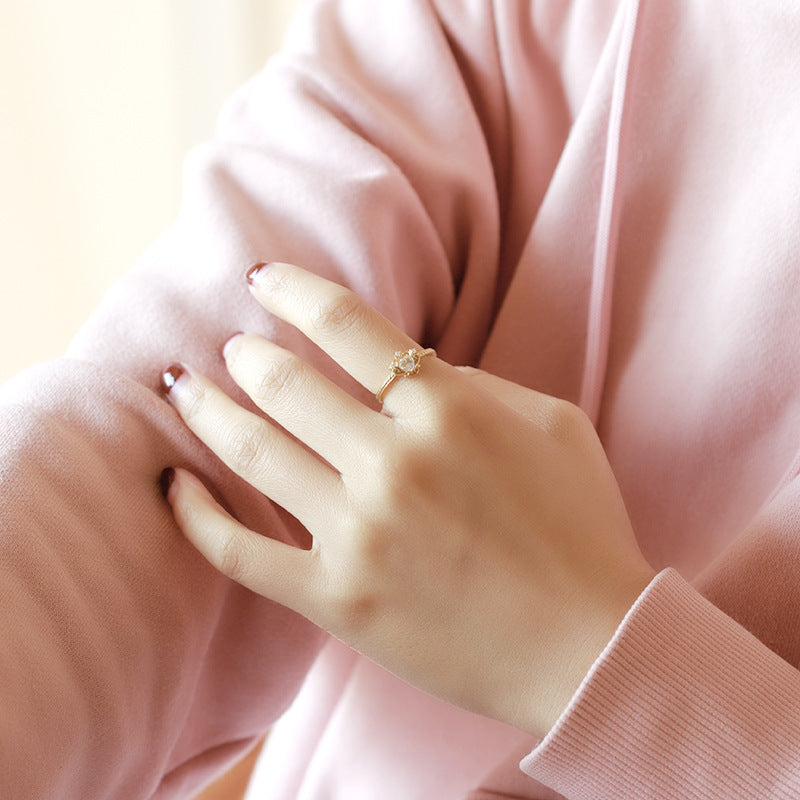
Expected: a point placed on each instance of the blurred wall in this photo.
(99, 103)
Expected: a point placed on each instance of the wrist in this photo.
(596, 619)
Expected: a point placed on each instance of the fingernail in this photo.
(170, 376)
(226, 348)
(256, 271)
(166, 479)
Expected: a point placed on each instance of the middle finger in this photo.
(303, 401)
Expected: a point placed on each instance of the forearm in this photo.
(130, 669)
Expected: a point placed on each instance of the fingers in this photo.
(272, 569)
(304, 402)
(355, 335)
(256, 450)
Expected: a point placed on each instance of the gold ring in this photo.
(404, 365)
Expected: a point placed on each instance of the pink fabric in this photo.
(597, 199)
(677, 702)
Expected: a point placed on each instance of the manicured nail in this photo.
(256, 271)
(166, 479)
(226, 348)
(170, 376)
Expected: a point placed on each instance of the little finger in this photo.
(273, 569)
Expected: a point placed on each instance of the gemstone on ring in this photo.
(404, 364)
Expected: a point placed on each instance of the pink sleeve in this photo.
(686, 701)
(129, 668)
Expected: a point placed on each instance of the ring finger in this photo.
(254, 449)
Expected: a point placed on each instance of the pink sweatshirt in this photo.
(596, 199)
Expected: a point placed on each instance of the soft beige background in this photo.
(99, 102)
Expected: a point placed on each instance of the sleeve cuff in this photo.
(683, 702)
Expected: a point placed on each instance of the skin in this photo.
(470, 536)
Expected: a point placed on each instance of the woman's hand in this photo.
(471, 538)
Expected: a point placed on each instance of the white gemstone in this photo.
(407, 363)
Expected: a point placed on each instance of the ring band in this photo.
(404, 365)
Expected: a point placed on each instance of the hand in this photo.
(470, 537)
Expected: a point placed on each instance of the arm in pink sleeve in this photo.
(129, 668)
(694, 698)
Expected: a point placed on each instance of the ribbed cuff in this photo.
(683, 702)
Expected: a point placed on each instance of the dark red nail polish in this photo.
(170, 376)
(254, 270)
(165, 481)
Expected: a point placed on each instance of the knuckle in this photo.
(368, 530)
(352, 604)
(450, 414)
(383, 470)
(372, 546)
(340, 312)
(231, 557)
(395, 476)
(278, 377)
(468, 369)
(562, 420)
(249, 447)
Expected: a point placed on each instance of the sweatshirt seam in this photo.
(504, 201)
(606, 234)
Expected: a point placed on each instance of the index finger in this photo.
(353, 333)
